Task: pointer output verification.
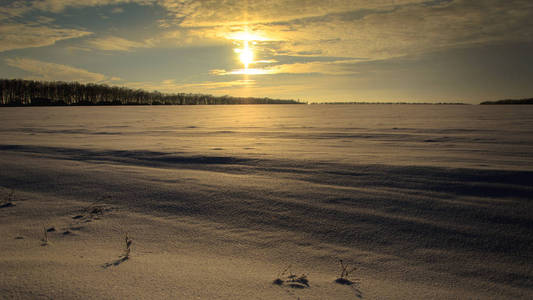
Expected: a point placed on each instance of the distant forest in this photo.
(509, 101)
(18, 92)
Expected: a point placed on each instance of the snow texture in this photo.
(427, 201)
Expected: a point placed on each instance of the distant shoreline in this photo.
(24, 93)
(395, 103)
(509, 102)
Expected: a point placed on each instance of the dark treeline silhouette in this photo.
(509, 101)
(18, 92)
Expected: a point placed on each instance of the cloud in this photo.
(19, 36)
(13, 10)
(117, 10)
(44, 20)
(369, 29)
(57, 6)
(17, 8)
(168, 38)
(249, 71)
(113, 43)
(317, 67)
(237, 88)
(235, 12)
(171, 86)
(377, 29)
(408, 30)
(273, 89)
(50, 71)
(214, 85)
(338, 68)
(218, 72)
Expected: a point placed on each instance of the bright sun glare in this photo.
(246, 40)
(247, 55)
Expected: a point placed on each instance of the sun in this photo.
(246, 55)
(248, 42)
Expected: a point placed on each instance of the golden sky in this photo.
(314, 50)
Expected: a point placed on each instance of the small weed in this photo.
(127, 247)
(125, 255)
(290, 279)
(44, 240)
(344, 277)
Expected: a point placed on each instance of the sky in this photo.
(312, 50)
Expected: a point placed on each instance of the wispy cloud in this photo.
(408, 30)
(214, 85)
(344, 28)
(19, 36)
(14, 9)
(44, 20)
(57, 6)
(171, 86)
(114, 43)
(117, 10)
(250, 71)
(41, 70)
(239, 88)
(237, 12)
(370, 29)
(338, 68)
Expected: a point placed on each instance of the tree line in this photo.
(19, 92)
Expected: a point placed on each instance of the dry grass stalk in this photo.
(45, 237)
(127, 246)
(344, 277)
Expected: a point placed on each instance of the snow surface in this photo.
(427, 201)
